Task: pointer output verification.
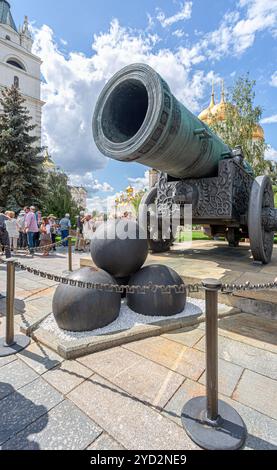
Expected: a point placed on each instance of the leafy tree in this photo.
(58, 199)
(241, 120)
(136, 200)
(21, 170)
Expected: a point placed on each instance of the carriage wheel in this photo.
(157, 245)
(261, 238)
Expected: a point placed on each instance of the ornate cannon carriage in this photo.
(137, 119)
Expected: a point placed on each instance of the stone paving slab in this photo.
(256, 331)
(105, 442)
(6, 360)
(255, 359)
(23, 294)
(15, 375)
(186, 361)
(3, 327)
(188, 390)
(21, 309)
(23, 407)
(43, 302)
(228, 377)
(64, 428)
(67, 376)
(29, 323)
(40, 358)
(186, 336)
(128, 421)
(138, 376)
(262, 430)
(258, 392)
(249, 329)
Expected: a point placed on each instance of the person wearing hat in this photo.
(13, 230)
(53, 229)
(21, 227)
(80, 242)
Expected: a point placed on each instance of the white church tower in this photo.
(18, 65)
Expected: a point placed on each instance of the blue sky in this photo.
(190, 42)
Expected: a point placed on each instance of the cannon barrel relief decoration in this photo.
(137, 119)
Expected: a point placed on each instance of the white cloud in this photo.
(150, 22)
(183, 14)
(140, 184)
(73, 83)
(270, 120)
(237, 30)
(100, 204)
(88, 182)
(273, 80)
(178, 33)
(271, 154)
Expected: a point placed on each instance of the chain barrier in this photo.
(164, 289)
(37, 249)
(179, 289)
(231, 288)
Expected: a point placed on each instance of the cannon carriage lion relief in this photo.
(137, 119)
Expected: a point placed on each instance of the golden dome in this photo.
(219, 111)
(258, 133)
(48, 162)
(205, 115)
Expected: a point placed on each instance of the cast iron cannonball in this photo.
(117, 248)
(78, 309)
(156, 303)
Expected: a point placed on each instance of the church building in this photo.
(18, 65)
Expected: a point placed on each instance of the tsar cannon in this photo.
(137, 119)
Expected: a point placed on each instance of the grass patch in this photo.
(198, 235)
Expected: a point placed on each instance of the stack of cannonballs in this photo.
(120, 258)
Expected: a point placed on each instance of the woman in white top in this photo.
(13, 230)
(88, 228)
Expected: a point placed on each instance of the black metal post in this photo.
(11, 344)
(70, 268)
(209, 422)
(10, 303)
(212, 288)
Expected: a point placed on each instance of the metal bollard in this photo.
(11, 344)
(10, 303)
(70, 268)
(211, 423)
(212, 348)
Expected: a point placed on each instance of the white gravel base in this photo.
(127, 319)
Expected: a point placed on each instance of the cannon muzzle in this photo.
(137, 119)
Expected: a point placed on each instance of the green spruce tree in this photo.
(21, 170)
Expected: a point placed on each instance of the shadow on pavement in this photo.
(16, 413)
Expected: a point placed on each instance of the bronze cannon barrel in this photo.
(137, 119)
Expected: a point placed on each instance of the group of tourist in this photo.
(29, 230)
(86, 226)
